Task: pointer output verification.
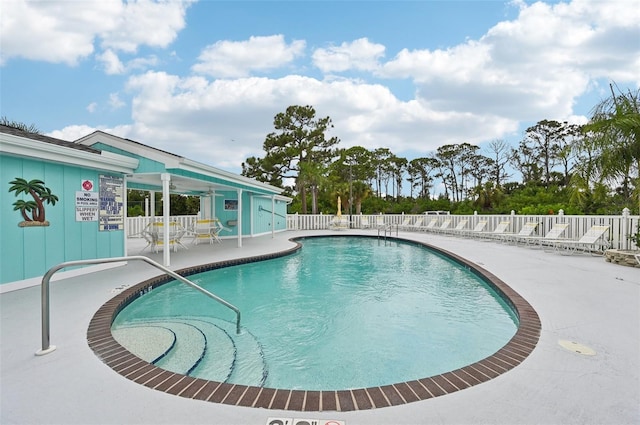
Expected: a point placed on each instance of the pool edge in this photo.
(118, 358)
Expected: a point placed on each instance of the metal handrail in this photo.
(48, 348)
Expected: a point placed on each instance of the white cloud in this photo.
(231, 59)
(113, 66)
(541, 61)
(146, 22)
(115, 102)
(360, 54)
(66, 31)
(198, 119)
(72, 132)
(91, 108)
(111, 63)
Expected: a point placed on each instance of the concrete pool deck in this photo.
(579, 299)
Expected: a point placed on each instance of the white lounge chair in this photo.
(594, 240)
(443, 227)
(555, 233)
(460, 227)
(416, 224)
(339, 222)
(527, 230)
(405, 224)
(477, 230)
(380, 224)
(499, 230)
(429, 226)
(364, 222)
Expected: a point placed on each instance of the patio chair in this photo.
(205, 230)
(429, 226)
(339, 222)
(364, 222)
(496, 233)
(149, 235)
(406, 223)
(594, 240)
(416, 224)
(443, 227)
(527, 230)
(460, 227)
(176, 232)
(477, 230)
(555, 233)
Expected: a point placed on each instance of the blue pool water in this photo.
(342, 312)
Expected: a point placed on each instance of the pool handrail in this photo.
(46, 345)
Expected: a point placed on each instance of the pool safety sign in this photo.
(87, 204)
(292, 421)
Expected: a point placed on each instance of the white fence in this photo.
(620, 226)
(136, 225)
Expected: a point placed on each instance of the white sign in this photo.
(87, 199)
(86, 214)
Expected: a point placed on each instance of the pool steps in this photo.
(208, 348)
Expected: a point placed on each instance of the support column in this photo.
(239, 224)
(166, 255)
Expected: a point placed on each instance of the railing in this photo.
(620, 226)
(136, 225)
(48, 348)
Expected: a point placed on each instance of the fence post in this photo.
(624, 228)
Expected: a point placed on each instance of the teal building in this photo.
(64, 201)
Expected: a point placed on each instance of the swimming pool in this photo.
(498, 358)
(340, 313)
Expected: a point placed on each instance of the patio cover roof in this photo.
(187, 176)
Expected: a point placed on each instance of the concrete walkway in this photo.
(580, 299)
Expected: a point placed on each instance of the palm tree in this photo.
(616, 126)
(40, 194)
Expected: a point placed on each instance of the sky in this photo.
(205, 79)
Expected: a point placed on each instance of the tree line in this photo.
(582, 169)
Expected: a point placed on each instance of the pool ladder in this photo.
(48, 348)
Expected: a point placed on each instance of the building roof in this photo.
(42, 138)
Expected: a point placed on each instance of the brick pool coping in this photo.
(114, 355)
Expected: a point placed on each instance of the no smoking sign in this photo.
(87, 185)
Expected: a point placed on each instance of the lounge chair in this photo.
(460, 227)
(339, 222)
(429, 226)
(555, 233)
(443, 227)
(405, 224)
(527, 230)
(477, 230)
(364, 222)
(594, 240)
(380, 224)
(416, 224)
(496, 233)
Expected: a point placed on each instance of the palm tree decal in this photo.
(40, 194)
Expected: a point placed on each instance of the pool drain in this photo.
(577, 348)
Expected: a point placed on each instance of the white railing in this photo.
(620, 226)
(137, 224)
